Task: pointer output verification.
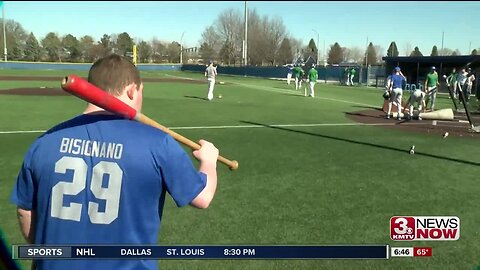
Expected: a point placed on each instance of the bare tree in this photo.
(346, 54)
(297, 46)
(229, 27)
(445, 52)
(173, 51)
(211, 38)
(285, 54)
(408, 48)
(274, 33)
(159, 50)
(256, 42)
(357, 55)
(380, 53)
(114, 38)
(225, 37)
(353, 55)
(456, 52)
(144, 51)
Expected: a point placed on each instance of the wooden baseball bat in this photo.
(81, 88)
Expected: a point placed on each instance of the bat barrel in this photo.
(83, 89)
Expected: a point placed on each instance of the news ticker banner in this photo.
(253, 252)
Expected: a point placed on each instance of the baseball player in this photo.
(304, 78)
(461, 82)
(418, 97)
(452, 82)
(211, 74)
(99, 178)
(351, 75)
(345, 76)
(312, 78)
(469, 83)
(298, 73)
(389, 80)
(396, 91)
(289, 73)
(431, 87)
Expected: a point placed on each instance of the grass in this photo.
(296, 185)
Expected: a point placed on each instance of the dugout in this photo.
(415, 68)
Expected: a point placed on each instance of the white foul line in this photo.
(21, 131)
(246, 126)
(271, 89)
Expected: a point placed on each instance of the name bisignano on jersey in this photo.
(91, 148)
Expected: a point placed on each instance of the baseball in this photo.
(220, 96)
(412, 150)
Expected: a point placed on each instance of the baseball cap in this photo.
(397, 69)
(433, 68)
(210, 61)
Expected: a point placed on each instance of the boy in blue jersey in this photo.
(395, 88)
(101, 179)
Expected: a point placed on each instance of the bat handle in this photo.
(232, 164)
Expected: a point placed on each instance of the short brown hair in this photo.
(113, 73)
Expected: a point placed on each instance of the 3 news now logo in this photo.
(432, 228)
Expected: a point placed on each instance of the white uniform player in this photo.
(461, 81)
(469, 83)
(418, 96)
(211, 74)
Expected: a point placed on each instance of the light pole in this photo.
(318, 51)
(181, 48)
(443, 36)
(245, 56)
(4, 36)
(324, 54)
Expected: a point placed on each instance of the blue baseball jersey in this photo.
(101, 179)
(289, 70)
(397, 80)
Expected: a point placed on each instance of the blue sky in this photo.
(349, 23)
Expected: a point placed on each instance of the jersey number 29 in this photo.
(111, 194)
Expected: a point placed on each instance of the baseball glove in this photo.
(386, 95)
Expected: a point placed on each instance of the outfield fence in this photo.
(371, 76)
(80, 66)
(328, 74)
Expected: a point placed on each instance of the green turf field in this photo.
(328, 182)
